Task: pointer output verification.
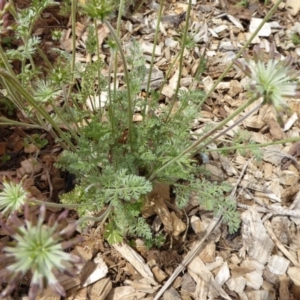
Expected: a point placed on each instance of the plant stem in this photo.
(81, 220)
(230, 127)
(8, 122)
(183, 42)
(126, 74)
(110, 99)
(253, 146)
(73, 18)
(5, 61)
(12, 81)
(63, 205)
(181, 58)
(67, 124)
(114, 60)
(44, 57)
(191, 149)
(153, 51)
(101, 218)
(168, 72)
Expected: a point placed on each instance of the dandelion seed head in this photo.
(274, 80)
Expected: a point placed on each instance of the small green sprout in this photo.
(37, 248)
(244, 3)
(98, 8)
(12, 198)
(46, 91)
(296, 39)
(56, 35)
(274, 80)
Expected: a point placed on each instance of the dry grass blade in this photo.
(280, 245)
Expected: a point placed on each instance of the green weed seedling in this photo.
(296, 39)
(244, 3)
(117, 161)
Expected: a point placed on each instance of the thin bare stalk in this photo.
(121, 11)
(99, 70)
(184, 37)
(154, 47)
(8, 122)
(183, 42)
(126, 74)
(70, 111)
(253, 146)
(169, 72)
(19, 102)
(73, 18)
(67, 95)
(5, 61)
(44, 57)
(81, 220)
(230, 127)
(165, 79)
(67, 124)
(13, 96)
(110, 109)
(11, 80)
(114, 62)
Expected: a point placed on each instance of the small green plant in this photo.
(5, 158)
(36, 140)
(12, 197)
(156, 241)
(274, 81)
(56, 35)
(65, 8)
(296, 39)
(7, 107)
(117, 161)
(243, 137)
(37, 249)
(244, 3)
